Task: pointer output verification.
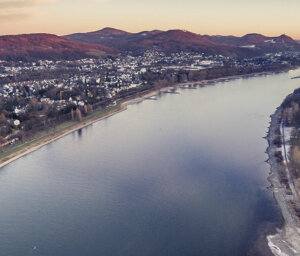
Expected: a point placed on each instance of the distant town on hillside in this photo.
(47, 79)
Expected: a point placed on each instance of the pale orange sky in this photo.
(226, 17)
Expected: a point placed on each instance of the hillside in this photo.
(181, 40)
(258, 42)
(47, 46)
(167, 41)
(110, 41)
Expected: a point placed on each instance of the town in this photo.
(43, 93)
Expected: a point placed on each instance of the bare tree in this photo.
(72, 114)
(78, 115)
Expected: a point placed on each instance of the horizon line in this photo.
(128, 31)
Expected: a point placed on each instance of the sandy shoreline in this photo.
(286, 242)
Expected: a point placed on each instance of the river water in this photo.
(184, 175)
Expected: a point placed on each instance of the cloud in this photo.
(99, 1)
(15, 4)
(14, 17)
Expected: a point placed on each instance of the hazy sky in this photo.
(237, 17)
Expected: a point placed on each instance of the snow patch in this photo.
(272, 41)
(274, 248)
(287, 132)
(248, 46)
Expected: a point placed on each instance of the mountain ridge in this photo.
(176, 40)
(265, 43)
(112, 41)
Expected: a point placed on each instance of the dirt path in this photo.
(288, 171)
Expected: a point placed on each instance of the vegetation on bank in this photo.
(290, 119)
(168, 78)
(51, 131)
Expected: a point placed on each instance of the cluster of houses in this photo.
(79, 82)
(112, 75)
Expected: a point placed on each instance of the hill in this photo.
(258, 42)
(111, 41)
(166, 41)
(47, 46)
(180, 40)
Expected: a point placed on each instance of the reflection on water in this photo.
(182, 175)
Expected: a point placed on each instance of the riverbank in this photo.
(287, 240)
(33, 145)
(36, 144)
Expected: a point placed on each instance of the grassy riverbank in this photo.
(42, 138)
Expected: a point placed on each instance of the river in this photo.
(183, 175)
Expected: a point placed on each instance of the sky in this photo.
(213, 17)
